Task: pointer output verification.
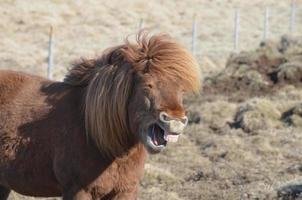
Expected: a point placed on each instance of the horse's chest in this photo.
(118, 177)
(26, 167)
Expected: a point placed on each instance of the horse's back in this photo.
(20, 97)
(19, 93)
(11, 84)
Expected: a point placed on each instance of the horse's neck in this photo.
(135, 157)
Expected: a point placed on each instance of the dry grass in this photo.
(256, 114)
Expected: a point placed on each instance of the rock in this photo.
(296, 168)
(288, 192)
(293, 117)
(199, 175)
(194, 117)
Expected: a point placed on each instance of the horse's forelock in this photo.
(162, 56)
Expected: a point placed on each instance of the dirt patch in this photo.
(263, 71)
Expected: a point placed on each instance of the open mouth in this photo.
(158, 137)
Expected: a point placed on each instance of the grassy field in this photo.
(244, 139)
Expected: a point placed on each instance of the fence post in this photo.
(293, 16)
(236, 29)
(141, 24)
(194, 27)
(50, 54)
(266, 24)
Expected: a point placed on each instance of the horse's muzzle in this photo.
(172, 125)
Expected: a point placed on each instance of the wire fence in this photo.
(50, 55)
(237, 36)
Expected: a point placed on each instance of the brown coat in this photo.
(40, 157)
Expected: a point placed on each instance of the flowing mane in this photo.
(109, 81)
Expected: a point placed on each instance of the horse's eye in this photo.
(150, 86)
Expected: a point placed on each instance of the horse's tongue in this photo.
(171, 138)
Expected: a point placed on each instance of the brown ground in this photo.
(244, 140)
(266, 70)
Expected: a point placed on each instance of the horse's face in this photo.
(156, 112)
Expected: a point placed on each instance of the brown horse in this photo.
(87, 137)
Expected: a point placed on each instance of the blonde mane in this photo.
(109, 82)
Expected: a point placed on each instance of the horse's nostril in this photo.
(184, 120)
(164, 117)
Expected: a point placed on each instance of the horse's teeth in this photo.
(166, 137)
(171, 138)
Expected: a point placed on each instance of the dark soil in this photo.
(260, 72)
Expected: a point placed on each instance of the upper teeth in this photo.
(170, 137)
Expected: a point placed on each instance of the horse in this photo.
(88, 136)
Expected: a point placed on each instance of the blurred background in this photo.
(244, 137)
